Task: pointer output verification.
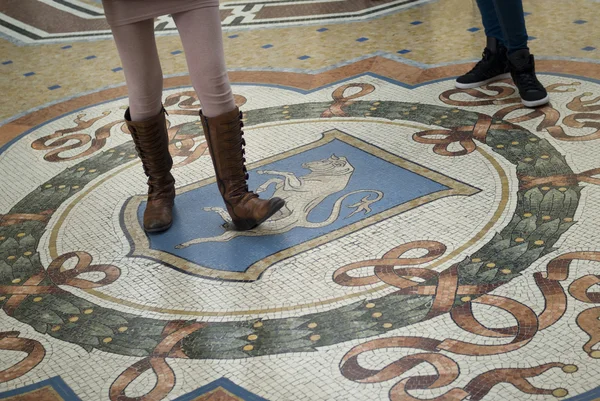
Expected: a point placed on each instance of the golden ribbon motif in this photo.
(584, 110)
(169, 347)
(10, 341)
(340, 101)
(59, 276)
(444, 292)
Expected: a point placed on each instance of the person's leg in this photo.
(200, 32)
(512, 23)
(490, 20)
(202, 40)
(146, 120)
(521, 63)
(139, 58)
(494, 64)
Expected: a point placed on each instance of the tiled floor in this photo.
(455, 256)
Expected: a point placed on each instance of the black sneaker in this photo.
(492, 67)
(522, 70)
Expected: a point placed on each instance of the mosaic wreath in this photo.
(546, 206)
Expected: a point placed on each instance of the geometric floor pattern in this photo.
(439, 244)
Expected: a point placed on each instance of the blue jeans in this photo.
(504, 20)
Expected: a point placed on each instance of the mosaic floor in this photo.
(453, 253)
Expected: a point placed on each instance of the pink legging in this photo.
(200, 32)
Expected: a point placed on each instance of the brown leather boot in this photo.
(224, 137)
(152, 145)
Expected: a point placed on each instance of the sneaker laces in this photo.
(483, 63)
(525, 75)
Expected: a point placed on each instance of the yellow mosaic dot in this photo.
(438, 122)
(527, 159)
(514, 143)
(491, 265)
(37, 299)
(122, 329)
(560, 392)
(455, 110)
(568, 219)
(500, 146)
(122, 154)
(539, 242)
(595, 354)
(132, 156)
(373, 108)
(476, 260)
(61, 186)
(88, 311)
(16, 281)
(465, 299)
(562, 189)
(370, 305)
(546, 218)
(367, 114)
(11, 257)
(377, 315)
(315, 337)
(533, 139)
(413, 108)
(83, 168)
(287, 117)
(55, 328)
(587, 94)
(506, 271)
(527, 214)
(248, 348)
(73, 319)
(21, 235)
(107, 340)
(28, 253)
(544, 157)
(312, 325)
(444, 117)
(48, 186)
(376, 104)
(570, 368)
(111, 151)
(545, 188)
(286, 112)
(387, 325)
(93, 170)
(258, 324)
(2, 298)
(75, 187)
(519, 239)
(286, 107)
(252, 337)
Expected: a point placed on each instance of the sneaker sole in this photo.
(536, 103)
(478, 84)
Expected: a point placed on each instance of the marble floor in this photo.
(453, 255)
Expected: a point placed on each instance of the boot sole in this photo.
(481, 83)
(245, 225)
(536, 103)
(158, 230)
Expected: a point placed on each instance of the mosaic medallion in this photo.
(403, 211)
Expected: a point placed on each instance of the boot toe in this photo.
(155, 226)
(275, 204)
(158, 223)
